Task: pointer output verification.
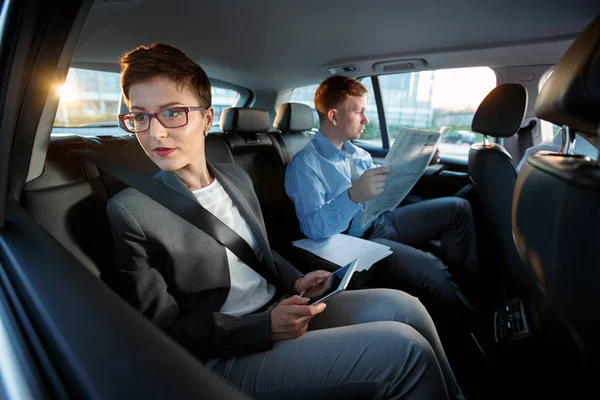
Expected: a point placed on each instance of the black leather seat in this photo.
(556, 201)
(261, 154)
(294, 122)
(491, 169)
(245, 131)
(77, 191)
(256, 151)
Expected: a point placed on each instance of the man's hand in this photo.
(289, 320)
(369, 185)
(312, 284)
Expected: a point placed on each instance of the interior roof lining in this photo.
(272, 45)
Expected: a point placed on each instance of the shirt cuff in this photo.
(346, 206)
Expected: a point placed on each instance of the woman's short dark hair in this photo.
(147, 62)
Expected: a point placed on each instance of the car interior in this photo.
(515, 74)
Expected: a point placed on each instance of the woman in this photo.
(371, 343)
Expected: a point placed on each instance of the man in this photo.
(330, 180)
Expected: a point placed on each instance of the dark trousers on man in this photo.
(420, 273)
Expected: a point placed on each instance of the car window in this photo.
(89, 103)
(440, 100)
(88, 98)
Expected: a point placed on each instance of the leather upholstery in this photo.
(293, 117)
(555, 209)
(571, 96)
(294, 121)
(501, 112)
(555, 223)
(493, 174)
(244, 120)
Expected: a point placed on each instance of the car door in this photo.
(63, 333)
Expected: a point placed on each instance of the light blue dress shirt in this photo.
(317, 180)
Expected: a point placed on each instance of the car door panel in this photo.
(99, 346)
(72, 335)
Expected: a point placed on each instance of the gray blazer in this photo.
(178, 276)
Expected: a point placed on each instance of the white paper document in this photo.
(407, 159)
(340, 249)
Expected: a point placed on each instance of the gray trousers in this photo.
(420, 273)
(372, 344)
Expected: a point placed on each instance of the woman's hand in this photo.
(289, 320)
(312, 284)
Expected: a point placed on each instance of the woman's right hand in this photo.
(290, 318)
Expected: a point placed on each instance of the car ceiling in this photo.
(276, 44)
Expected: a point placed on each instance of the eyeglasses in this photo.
(174, 117)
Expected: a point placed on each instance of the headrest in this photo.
(216, 149)
(293, 117)
(244, 120)
(502, 111)
(571, 96)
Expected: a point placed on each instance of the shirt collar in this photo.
(328, 150)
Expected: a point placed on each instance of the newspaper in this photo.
(407, 159)
(340, 249)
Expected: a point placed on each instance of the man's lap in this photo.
(420, 222)
(409, 229)
(407, 269)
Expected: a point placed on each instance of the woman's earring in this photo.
(205, 133)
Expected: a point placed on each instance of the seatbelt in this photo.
(183, 206)
(526, 137)
(353, 172)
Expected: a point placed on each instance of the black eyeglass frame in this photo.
(185, 109)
